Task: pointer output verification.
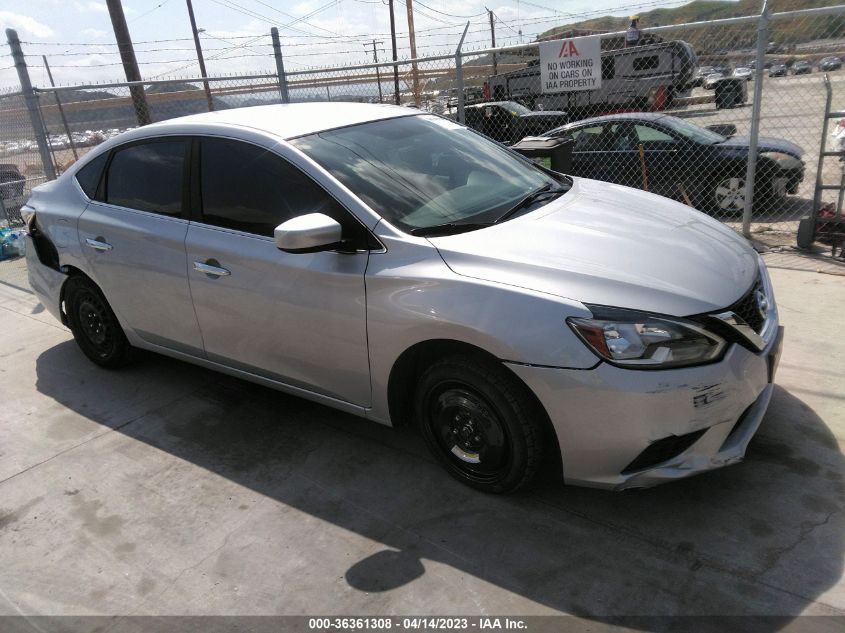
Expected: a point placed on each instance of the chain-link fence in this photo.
(678, 107)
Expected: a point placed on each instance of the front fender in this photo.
(413, 297)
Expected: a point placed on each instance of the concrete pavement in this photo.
(168, 489)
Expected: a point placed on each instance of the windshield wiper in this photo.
(448, 228)
(531, 198)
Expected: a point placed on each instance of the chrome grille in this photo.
(748, 309)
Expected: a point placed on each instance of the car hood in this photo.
(606, 244)
(765, 144)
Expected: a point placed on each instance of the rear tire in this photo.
(480, 423)
(94, 325)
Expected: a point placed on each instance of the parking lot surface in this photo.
(168, 489)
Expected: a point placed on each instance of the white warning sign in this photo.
(569, 65)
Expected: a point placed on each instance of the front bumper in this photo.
(46, 282)
(607, 416)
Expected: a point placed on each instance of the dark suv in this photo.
(11, 188)
(509, 121)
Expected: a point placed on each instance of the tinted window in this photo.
(590, 139)
(646, 63)
(89, 176)
(608, 67)
(148, 177)
(646, 135)
(250, 189)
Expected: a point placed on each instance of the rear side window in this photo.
(646, 63)
(89, 176)
(148, 177)
(250, 189)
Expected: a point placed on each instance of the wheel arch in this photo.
(70, 272)
(412, 362)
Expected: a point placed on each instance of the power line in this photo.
(146, 13)
(451, 15)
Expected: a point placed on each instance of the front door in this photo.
(296, 318)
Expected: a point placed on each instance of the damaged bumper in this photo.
(619, 428)
(46, 282)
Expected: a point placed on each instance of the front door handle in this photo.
(98, 244)
(211, 267)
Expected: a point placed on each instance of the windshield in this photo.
(692, 131)
(424, 171)
(517, 109)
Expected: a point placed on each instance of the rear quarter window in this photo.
(89, 176)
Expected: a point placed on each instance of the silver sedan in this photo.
(398, 266)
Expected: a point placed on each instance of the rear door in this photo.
(597, 154)
(296, 318)
(132, 235)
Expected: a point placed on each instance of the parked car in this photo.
(700, 74)
(778, 70)
(743, 73)
(12, 185)
(396, 265)
(711, 80)
(802, 68)
(830, 63)
(708, 166)
(509, 121)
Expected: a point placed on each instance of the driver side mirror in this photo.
(309, 233)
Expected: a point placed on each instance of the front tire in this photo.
(94, 325)
(480, 423)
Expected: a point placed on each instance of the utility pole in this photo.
(31, 102)
(493, 40)
(412, 36)
(61, 109)
(199, 55)
(393, 42)
(130, 64)
(378, 74)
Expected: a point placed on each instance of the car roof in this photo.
(490, 103)
(290, 120)
(621, 116)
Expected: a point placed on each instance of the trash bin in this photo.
(558, 151)
(731, 92)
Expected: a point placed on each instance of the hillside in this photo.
(787, 32)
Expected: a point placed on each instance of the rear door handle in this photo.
(98, 244)
(210, 268)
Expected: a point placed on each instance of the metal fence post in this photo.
(31, 101)
(280, 65)
(61, 109)
(751, 172)
(459, 76)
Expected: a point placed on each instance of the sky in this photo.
(77, 37)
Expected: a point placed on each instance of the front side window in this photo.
(148, 177)
(251, 189)
(424, 171)
(648, 135)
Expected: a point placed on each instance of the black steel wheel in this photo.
(94, 325)
(480, 423)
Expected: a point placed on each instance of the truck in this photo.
(644, 77)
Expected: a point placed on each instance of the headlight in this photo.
(786, 161)
(639, 340)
